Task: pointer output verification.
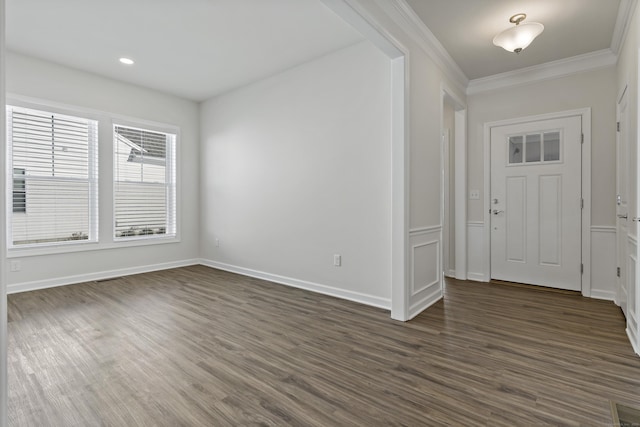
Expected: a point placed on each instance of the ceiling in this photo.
(466, 29)
(197, 49)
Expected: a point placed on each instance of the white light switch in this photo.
(337, 260)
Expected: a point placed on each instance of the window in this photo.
(145, 183)
(534, 148)
(53, 164)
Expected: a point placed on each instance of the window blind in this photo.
(53, 177)
(145, 183)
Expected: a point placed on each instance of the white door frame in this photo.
(460, 177)
(585, 114)
(446, 201)
(619, 264)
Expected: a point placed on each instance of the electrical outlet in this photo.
(474, 194)
(337, 260)
(15, 266)
(217, 243)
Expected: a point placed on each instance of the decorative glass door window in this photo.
(534, 148)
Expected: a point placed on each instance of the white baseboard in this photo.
(632, 339)
(426, 302)
(303, 284)
(109, 274)
(450, 273)
(477, 277)
(102, 275)
(604, 295)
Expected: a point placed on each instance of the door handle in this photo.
(622, 216)
(496, 212)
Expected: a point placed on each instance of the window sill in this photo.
(88, 246)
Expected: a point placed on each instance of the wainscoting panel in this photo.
(603, 262)
(477, 259)
(426, 268)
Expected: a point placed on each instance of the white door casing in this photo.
(622, 204)
(447, 225)
(535, 220)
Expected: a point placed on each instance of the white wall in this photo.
(595, 89)
(428, 69)
(296, 168)
(34, 78)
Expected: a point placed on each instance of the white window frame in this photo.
(171, 183)
(93, 177)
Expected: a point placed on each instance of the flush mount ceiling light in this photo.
(515, 39)
(126, 61)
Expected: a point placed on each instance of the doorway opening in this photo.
(454, 185)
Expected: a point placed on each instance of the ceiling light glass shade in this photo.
(519, 37)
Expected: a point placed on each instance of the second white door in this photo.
(623, 157)
(536, 203)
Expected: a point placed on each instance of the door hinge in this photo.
(581, 203)
(618, 271)
(618, 126)
(581, 268)
(582, 139)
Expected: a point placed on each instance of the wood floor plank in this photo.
(196, 346)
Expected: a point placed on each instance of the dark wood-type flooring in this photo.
(200, 347)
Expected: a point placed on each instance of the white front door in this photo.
(622, 205)
(536, 203)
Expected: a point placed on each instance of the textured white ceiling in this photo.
(195, 49)
(466, 29)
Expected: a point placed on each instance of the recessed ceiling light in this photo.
(126, 61)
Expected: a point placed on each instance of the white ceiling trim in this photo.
(403, 15)
(623, 22)
(550, 70)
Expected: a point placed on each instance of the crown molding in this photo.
(405, 17)
(401, 13)
(550, 70)
(623, 22)
(352, 12)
